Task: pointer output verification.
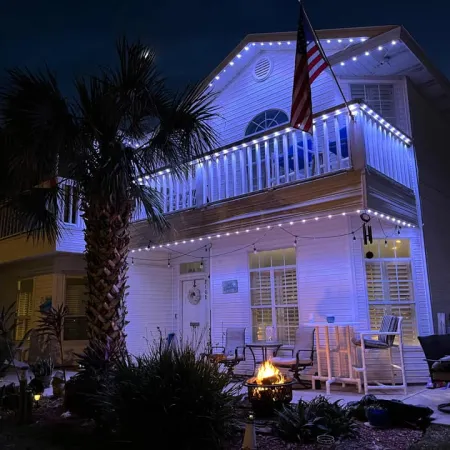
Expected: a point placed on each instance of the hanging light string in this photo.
(206, 247)
(252, 244)
(191, 254)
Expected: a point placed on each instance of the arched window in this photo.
(266, 120)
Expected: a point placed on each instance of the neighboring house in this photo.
(267, 228)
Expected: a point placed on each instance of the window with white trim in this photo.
(273, 294)
(390, 286)
(75, 323)
(380, 97)
(24, 308)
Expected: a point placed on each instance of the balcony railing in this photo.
(276, 158)
(286, 155)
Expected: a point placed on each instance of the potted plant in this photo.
(42, 370)
(378, 416)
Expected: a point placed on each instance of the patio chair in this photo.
(437, 350)
(391, 326)
(234, 350)
(302, 355)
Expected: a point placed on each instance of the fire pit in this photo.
(269, 390)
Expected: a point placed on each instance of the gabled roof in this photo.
(353, 52)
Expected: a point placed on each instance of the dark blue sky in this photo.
(191, 37)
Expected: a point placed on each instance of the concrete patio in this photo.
(417, 395)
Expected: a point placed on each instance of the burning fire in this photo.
(269, 374)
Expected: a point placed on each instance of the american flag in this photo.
(309, 64)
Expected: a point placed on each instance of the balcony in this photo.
(286, 156)
(284, 170)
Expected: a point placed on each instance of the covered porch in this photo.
(285, 274)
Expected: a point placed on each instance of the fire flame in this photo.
(268, 372)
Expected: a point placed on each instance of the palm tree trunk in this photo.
(107, 245)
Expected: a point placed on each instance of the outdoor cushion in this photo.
(370, 343)
(442, 365)
(441, 376)
(289, 361)
(233, 357)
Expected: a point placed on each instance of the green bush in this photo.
(97, 364)
(170, 396)
(307, 420)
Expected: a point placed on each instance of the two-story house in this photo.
(267, 229)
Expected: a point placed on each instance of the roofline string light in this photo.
(250, 45)
(353, 107)
(260, 228)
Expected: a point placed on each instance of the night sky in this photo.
(191, 37)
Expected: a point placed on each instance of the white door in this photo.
(195, 312)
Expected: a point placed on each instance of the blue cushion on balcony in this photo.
(301, 160)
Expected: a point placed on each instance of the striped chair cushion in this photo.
(389, 323)
(370, 343)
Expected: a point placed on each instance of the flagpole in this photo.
(324, 56)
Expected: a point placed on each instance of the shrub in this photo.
(171, 396)
(96, 363)
(307, 420)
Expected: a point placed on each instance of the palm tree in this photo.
(122, 124)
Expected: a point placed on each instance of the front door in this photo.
(195, 312)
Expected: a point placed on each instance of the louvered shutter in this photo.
(260, 287)
(285, 287)
(261, 318)
(380, 97)
(399, 279)
(374, 281)
(24, 308)
(75, 297)
(287, 324)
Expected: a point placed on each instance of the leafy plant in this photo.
(43, 367)
(307, 420)
(8, 345)
(183, 398)
(51, 326)
(97, 364)
(121, 124)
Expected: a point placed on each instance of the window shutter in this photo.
(400, 281)
(285, 287)
(76, 297)
(24, 308)
(374, 281)
(261, 292)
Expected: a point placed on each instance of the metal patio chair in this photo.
(302, 355)
(391, 326)
(234, 350)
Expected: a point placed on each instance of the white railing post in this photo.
(356, 141)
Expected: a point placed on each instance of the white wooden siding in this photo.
(244, 97)
(149, 303)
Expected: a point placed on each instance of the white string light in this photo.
(241, 52)
(397, 134)
(389, 219)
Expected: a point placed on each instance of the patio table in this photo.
(343, 347)
(264, 346)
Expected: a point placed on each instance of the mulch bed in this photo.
(53, 432)
(369, 439)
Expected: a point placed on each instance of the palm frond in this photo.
(37, 130)
(184, 132)
(150, 200)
